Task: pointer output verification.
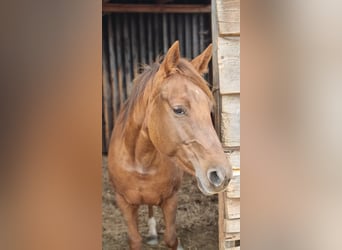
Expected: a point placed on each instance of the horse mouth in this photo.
(203, 189)
(209, 192)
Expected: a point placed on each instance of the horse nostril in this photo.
(215, 178)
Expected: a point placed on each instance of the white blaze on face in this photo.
(152, 227)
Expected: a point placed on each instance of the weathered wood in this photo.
(232, 208)
(221, 198)
(134, 47)
(232, 226)
(142, 37)
(188, 30)
(232, 244)
(232, 236)
(233, 190)
(165, 34)
(150, 37)
(118, 50)
(216, 77)
(226, 76)
(180, 32)
(107, 98)
(228, 54)
(230, 121)
(234, 158)
(155, 8)
(172, 31)
(228, 15)
(156, 23)
(232, 241)
(195, 47)
(127, 58)
(232, 248)
(201, 23)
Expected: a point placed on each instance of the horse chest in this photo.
(151, 189)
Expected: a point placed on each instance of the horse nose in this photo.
(216, 176)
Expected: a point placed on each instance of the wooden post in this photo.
(226, 84)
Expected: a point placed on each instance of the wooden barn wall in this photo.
(226, 77)
(133, 39)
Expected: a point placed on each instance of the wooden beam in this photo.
(221, 200)
(155, 8)
(228, 17)
(230, 120)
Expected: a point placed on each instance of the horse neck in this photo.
(140, 147)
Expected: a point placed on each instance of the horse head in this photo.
(178, 120)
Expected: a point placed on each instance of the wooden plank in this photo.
(232, 208)
(142, 36)
(232, 236)
(232, 241)
(234, 159)
(195, 36)
(221, 198)
(150, 39)
(180, 32)
(112, 68)
(216, 77)
(202, 35)
(107, 98)
(127, 55)
(118, 51)
(232, 226)
(155, 8)
(233, 248)
(229, 64)
(134, 44)
(230, 120)
(172, 31)
(233, 190)
(165, 35)
(228, 15)
(156, 23)
(188, 30)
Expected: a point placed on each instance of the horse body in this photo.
(165, 129)
(147, 177)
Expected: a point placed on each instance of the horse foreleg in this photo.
(169, 208)
(152, 238)
(130, 213)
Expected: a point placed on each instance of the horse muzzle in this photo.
(215, 181)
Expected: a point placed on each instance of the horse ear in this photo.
(171, 59)
(201, 62)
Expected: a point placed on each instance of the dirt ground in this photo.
(197, 218)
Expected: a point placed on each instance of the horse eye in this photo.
(179, 110)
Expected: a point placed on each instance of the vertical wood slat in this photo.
(188, 36)
(195, 44)
(149, 39)
(201, 23)
(119, 58)
(127, 56)
(165, 34)
(134, 47)
(142, 39)
(156, 33)
(180, 32)
(107, 98)
(104, 146)
(172, 28)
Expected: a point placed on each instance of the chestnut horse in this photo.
(163, 129)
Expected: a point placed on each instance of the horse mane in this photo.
(143, 84)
